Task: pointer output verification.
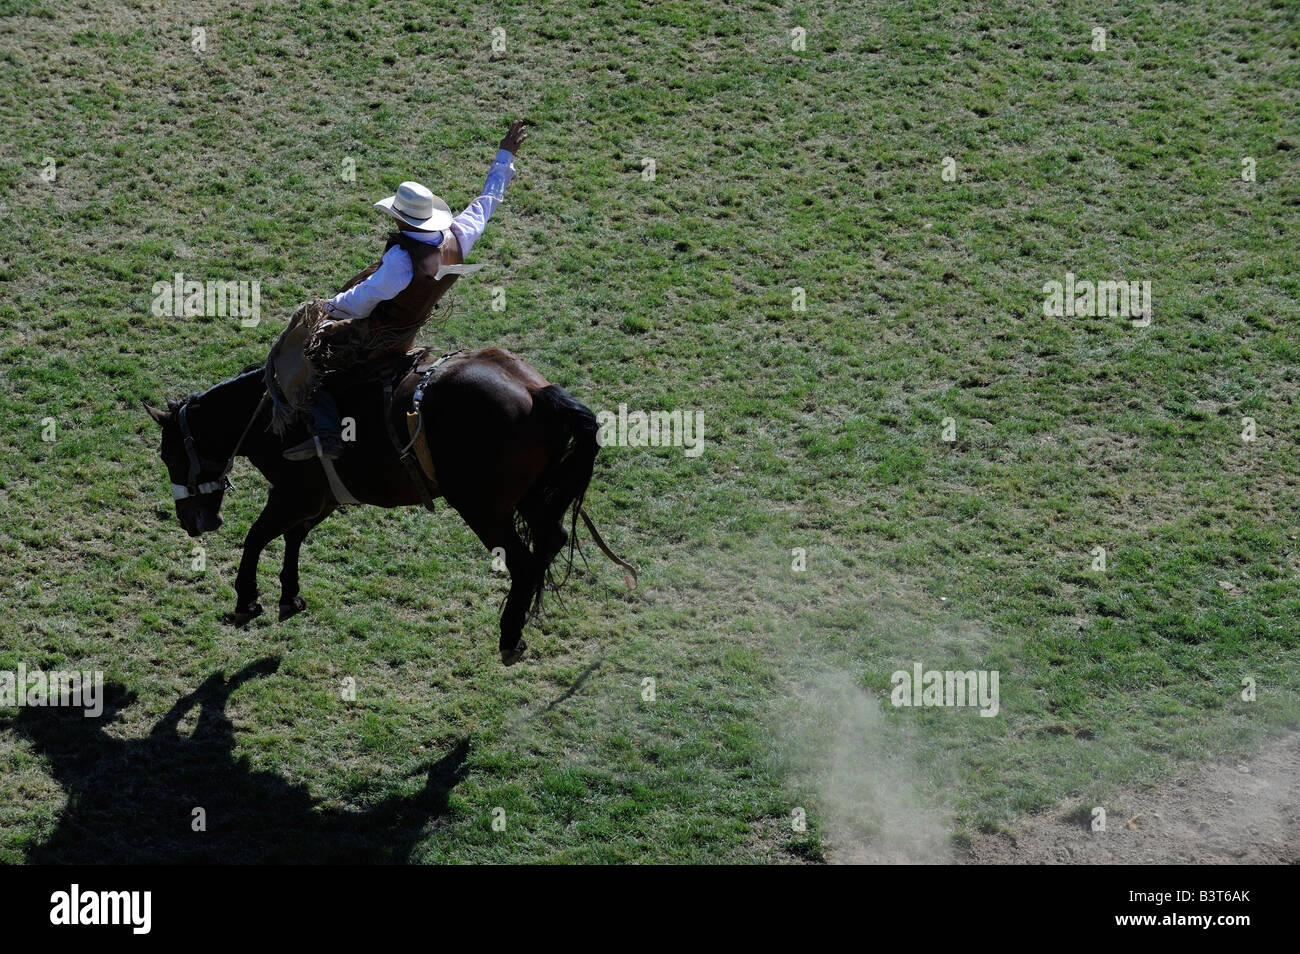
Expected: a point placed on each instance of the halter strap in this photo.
(199, 463)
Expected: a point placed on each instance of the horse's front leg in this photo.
(291, 601)
(273, 521)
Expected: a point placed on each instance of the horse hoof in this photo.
(292, 608)
(242, 617)
(511, 656)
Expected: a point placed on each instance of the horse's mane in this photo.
(193, 396)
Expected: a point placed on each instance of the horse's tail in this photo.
(570, 428)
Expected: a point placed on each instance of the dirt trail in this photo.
(1245, 811)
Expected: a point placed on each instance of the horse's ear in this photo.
(160, 416)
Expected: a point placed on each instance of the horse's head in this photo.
(198, 484)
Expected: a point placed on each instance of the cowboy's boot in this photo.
(327, 431)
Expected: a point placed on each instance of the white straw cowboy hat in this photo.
(417, 207)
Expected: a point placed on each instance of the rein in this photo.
(631, 577)
(198, 462)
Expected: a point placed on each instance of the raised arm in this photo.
(469, 225)
(387, 282)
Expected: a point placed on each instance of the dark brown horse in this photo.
(512, 452)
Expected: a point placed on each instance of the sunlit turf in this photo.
(775, 170)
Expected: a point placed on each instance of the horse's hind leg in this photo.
(498, 532)
(571, 430)
(549, 535)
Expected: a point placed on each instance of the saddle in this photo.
(426, 477)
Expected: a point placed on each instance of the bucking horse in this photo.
(511, 452)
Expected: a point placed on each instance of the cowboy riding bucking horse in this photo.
(378, 313)
(511, 452)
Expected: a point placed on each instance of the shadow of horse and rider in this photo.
(131, 801)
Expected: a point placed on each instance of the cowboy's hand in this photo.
(515, 137)
(336, 329)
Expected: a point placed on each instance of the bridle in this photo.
(199, 463)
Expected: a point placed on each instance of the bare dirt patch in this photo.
(1244, 811)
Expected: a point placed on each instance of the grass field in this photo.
(775, 169)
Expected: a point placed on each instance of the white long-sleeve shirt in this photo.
(394, 274)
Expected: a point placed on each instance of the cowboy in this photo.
(379, 311)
